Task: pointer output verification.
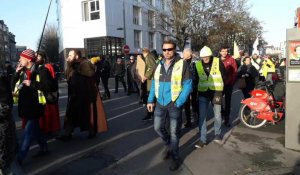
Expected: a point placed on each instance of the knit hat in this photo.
(29, 54)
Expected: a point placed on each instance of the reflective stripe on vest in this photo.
(42, 98)
(176, 79)
(214, 81)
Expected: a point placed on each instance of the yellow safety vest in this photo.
(41, 96)
(266, 69)
(176, 79)
(214, 81)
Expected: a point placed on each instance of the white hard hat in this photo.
(205, 52)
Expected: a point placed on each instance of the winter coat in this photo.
(231, 70)
(252, 77)
(8, 141)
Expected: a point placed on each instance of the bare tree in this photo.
(50, 43)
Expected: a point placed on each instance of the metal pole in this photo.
(124, 23)
(44, 26)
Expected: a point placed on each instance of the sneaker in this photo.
(147, 117)
(218, 139)
(200, 144)
(174, 165)
(166, 154)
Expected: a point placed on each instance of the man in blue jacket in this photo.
(170, 89)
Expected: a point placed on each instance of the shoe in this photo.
(200, 144)
(188, 124)
(147, 117)
(218, 139)
(40, 154)
(116, 92)
(174, 165)
(91, 136)
(166, 154)
(64, 138)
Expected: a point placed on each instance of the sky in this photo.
(25, 18)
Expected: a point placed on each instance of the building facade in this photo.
(7, 44)
(103, 27)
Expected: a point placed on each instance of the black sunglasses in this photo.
(169, 49)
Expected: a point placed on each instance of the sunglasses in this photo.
(169, 49)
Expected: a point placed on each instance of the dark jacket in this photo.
(28, 104)
(119, 70)
(164, 91)
(8, 141)
(252, 77)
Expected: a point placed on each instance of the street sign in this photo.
(126, 49)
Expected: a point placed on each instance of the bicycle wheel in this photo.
(249, 119)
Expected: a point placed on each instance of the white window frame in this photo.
(137, 38)
(136, 15)
(87, 10)
(151, 40)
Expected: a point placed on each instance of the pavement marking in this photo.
(120, 115)
(66, 159)
(124, 106)
(112, 118)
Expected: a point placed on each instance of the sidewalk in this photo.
(245, 151)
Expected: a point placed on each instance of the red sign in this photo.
(126, 49)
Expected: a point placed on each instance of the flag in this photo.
(236, 53)
(255, 44)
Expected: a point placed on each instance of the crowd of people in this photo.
(168, 84)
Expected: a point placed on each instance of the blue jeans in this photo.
(203, 109)
(171, 138)
(32, 131)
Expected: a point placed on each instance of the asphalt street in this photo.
(129, 147)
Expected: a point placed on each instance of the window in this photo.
(136, 15)
(151, 19)
(151, 40)
(137, 39)
(90, 10)
(163, 38)
(150, 2)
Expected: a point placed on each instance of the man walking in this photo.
(146, 80)
(230, 76)
(170, 89)
(119, 73)
(209, 76)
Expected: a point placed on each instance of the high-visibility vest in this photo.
(176, 79)
(266, 69)
(214, 81)
(41, 96)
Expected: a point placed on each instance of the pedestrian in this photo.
(132, 84)
(250, 74)
(105, 74)
(256, 61)
(170, 89)
(9, 72)
(209, 74)
(268, 69)
(30, 83)
(84, 108)
(229, 80)
(8, 139)
(188, 57)
(119, 73)
(150, 66)
(50, 121)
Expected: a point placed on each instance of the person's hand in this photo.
(243, 76)
(18, 68)
(246, 75)
(150, 107)
(26, 82)
(144, 79)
